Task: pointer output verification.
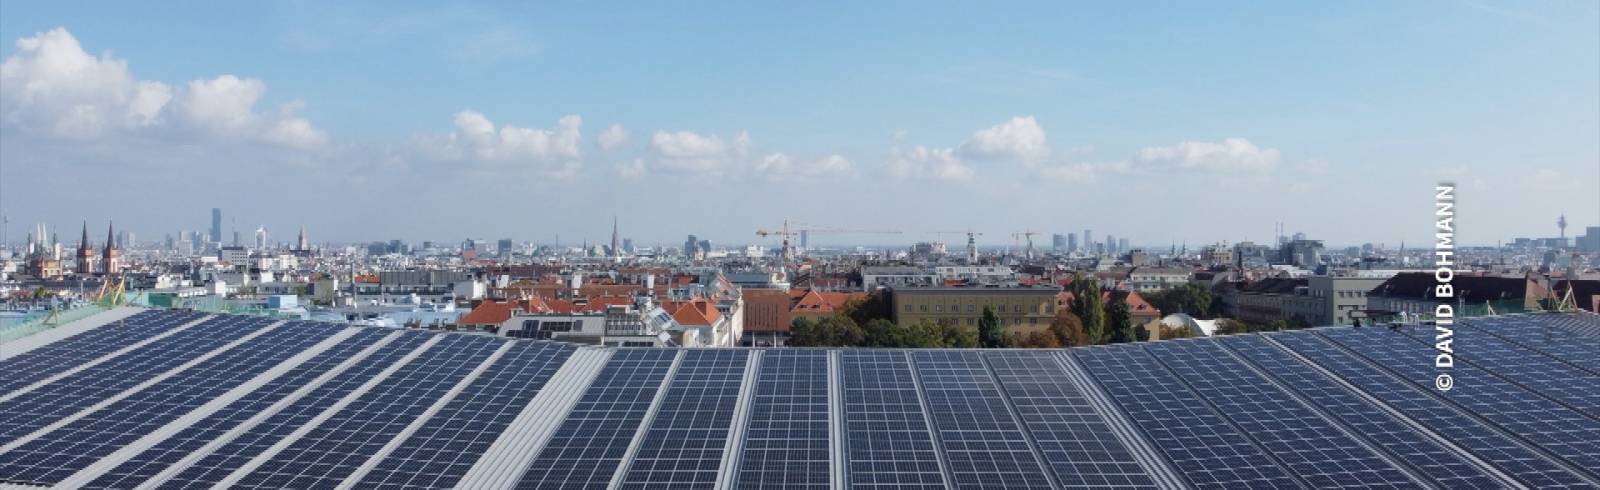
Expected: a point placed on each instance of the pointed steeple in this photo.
(83, 243)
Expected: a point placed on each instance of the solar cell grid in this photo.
(786, 442)
(62, 355)
(167, 452)
(1208, 451)
(448, 444)
(1525, 367)
(1308, 445)
(220, 463)
(889, 444)
(684, 445)
(982, 442)
(62, 398)
(1074, 440)
(1542, 334)
(586, 449)
(323, 457)
(63, 451)
(1409, 399)
(1560, 430)
(1432, 460)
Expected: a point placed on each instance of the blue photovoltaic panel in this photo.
(323, 457)
(983, 444)
(64, 397)
(1483, 441)
(63, 451)
(786, 442)
(452, 440)
(1560, 430)
(684, 444)
(59, 356)
(1310, 446)
(167, 452)
(1527, 368)
(1206, 450)
(587, 448)
(1539, 333)
(1584, 324)
(1076, 443)
(224, 460)
(889, 444)
(1432, 460)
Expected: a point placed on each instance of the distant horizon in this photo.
(372, 119)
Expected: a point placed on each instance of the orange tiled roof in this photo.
(697, 313)
(488, 312)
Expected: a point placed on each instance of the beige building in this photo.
(1015, 306)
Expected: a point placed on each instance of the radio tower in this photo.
(1561, 223)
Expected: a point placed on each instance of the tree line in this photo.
(867, 323)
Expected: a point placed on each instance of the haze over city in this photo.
(378, 121)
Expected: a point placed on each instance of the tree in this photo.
(841, 331)
(960, 336)
(1179, 332)
(1120, 321)
(803, 332)
(990, 335)
(924, 334)
(1192, 299)
(1087, 305)
(1036, 339)
(881, 333)
(875, 306)
(1068, 329)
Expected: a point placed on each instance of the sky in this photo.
(1166, 122)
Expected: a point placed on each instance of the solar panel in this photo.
(586, 450)
(224, 460)
(786, 441)
(60, 399)
(1311, 447)
(1468, 432)
(983, 443)
(1584, 324)
(684, 445)
(446, 446)
(58, 357)
(1432, 460)
(1076, 443)
(889, 444)
(1541, 333)
(333, 450)
(1210, 452)
(63, 451)
(1524, 367)
(1562, 431)
(164, 454)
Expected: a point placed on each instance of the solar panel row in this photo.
(232, 402)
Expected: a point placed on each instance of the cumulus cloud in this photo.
(921, 162)
(556, 151)
(633, 170)
(1020, 139)
(778, 166)
(613, 137)
(690, 152)
(50, 86)
(1231, 155)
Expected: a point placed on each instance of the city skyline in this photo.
(498, 122)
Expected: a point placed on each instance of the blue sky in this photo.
(1167, 122)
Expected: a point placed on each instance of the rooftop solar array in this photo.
(176, 399)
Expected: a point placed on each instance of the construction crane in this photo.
(806, 229)
(972, 242)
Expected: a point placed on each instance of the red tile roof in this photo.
(697, 313)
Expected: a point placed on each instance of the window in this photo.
(1017, 309)
(1033, 320)
(923, 308)
(972, 308)
(908, 308)
(938, 308)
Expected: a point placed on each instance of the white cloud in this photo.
(1020, 138)
(632, 171)
(921, 162)
(778, 166)
(613, 137)
(1231, 155)
(50, 86)
(556, 151)
(689, 152)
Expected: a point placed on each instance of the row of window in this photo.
(972, 308)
